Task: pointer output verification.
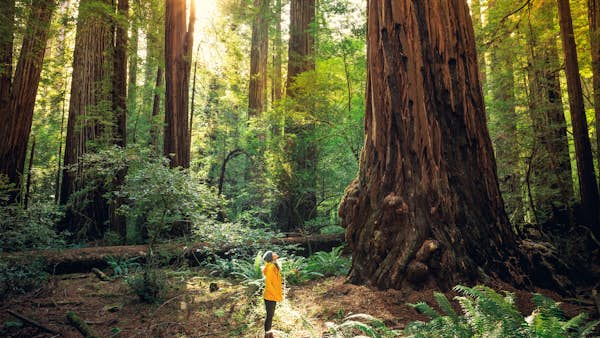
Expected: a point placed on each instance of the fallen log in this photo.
(80, 325)
(84, 259)
(101, 275)
(31, 322)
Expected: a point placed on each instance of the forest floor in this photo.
(192, 310)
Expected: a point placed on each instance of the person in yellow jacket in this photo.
(273, 289)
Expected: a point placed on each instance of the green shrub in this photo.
(295, 270)
(363, 324)
(250, 272)
(150, 286)
(20, 278)
(123, 266)
(329, 263)
(32, 228)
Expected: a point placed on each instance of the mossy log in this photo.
(84, 259)
(80, 325)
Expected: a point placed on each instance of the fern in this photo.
(445, 305)
(425, 309)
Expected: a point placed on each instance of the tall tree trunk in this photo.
(425, 208)
(553, 177)
(593, 17)
(17, 119)
(89, 119)
(479, 35)
(132, 108)
(7, 27)
(588, 190)
(299, 186)
(29, 172)
(257, 92)
(276, 81)
(118, 222)
(154, 129)
(178, 48)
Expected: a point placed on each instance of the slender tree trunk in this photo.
(88, 118)
(132, 108)
(593, 17)
(29, 172)
(276, 81)
(299, 200)
(7, 27)
(552, 179)
(588, 190)
(178, 47)
(479, 35)
(154, 129)
(425, 209)
(17, 119)
(118, 222)
(257, 92)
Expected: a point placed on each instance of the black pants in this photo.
(270, 307)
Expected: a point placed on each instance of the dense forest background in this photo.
(145, 122)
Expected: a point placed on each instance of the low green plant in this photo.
(123, 266)
(329, 263)
(20, 278)
(221, 267)
(150, 286)
(295, 270)
(489, 314)
(32, 228)
(361, 324)
(249, 272)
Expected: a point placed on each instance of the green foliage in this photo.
(249, 271)
(489, 314)
(329, 263)
(32, 228)
(365, 324)
(295, 270)
(150, 286)
(123, 266)
(18, 279)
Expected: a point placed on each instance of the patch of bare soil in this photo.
(191, 310)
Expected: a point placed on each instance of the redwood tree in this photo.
(588, 190)
(257, 93)
(594, 23)
(425, 208)
(17, 95)
(179, 42)
(299, 184)
(90, 115)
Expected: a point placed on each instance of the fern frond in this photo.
(588, 329)
(575, 322)
(425, 309)
(445, 305)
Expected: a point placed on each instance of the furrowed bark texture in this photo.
(89, 117)
(17, 116)
(588, 190)
(178, 47)
(257, 93)
(425, 208)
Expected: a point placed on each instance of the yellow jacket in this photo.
(273, 289)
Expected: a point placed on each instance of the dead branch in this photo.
(81, 326)
(32, 322)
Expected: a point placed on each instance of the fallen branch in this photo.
(596, 297)
(32, 322)
(101, 275)
(80, 325)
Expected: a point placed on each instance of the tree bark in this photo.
(257, 91)
(29, 173)
(588, 190)
(154, 129)
(7, 27)
(593, 17)
(178, 48)
(276, 81)
(16, 119)
(425, 209)
(89, 117)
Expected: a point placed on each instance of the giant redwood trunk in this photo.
(425, 208)
(16, 117)
(588, 190)
(298, 185)
(276, 80)
(7, 27)
(178, 52)
(90, 117)
(257, 93)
